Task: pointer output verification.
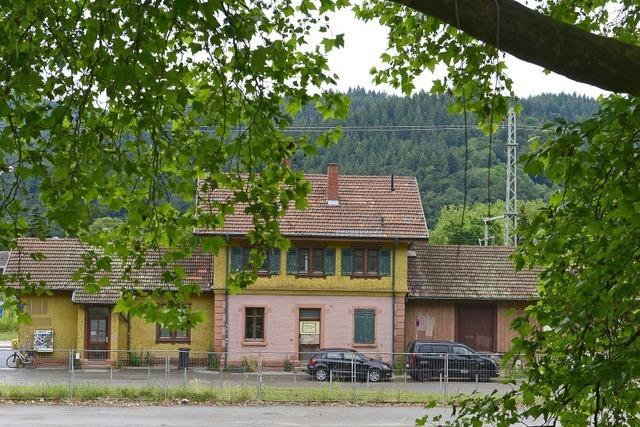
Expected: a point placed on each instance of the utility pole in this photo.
(511, 196)
(510, 205)
(487, 238)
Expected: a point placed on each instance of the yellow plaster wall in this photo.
(122, 334)
(286, 283)
(61, 316)
(143, 334)
(80, 329)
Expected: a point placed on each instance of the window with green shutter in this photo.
(270, 264)
(237, 261)
(311, 261)
(365, 262)
(365, 326)
(274, 261)
(330, 262)
(346, 262)
(385, 262)
(292, 261)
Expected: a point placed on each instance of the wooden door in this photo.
(476, 326)
(309, 332)
(98, 331)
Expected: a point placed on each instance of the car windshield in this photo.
(461, 350)
(355, 356)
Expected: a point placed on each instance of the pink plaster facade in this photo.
(282, 323)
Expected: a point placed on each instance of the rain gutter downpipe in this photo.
(393, 299)
(226, 300)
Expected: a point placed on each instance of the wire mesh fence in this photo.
(344, 374)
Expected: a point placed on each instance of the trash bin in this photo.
(183, 358)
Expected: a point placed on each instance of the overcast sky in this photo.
(364, 42)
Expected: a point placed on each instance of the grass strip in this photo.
(205, 394)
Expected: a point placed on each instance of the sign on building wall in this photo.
(309, 327)
(309, 332)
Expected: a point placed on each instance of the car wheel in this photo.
(482, 374)
(321, 375)
(426, 375)
(374, 376)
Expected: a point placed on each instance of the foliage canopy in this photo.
(127, 104)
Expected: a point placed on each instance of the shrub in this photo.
(288, 365)
(213, 363)
(135, 359)
(249, 363)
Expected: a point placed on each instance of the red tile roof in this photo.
(468, 272)
(63, 257)
(367, 209)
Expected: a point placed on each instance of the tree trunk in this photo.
(538, 39)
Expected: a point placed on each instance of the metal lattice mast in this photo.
(510, 206)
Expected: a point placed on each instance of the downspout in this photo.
(393, 299)
(128, 331)
(226, 302)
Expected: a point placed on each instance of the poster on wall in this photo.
(309, 327)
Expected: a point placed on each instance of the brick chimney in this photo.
(333, 192)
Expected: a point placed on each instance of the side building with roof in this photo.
(87, 321)
(468, 294)
(342, 283)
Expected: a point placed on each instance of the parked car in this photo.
(428, 360)
(347, 363)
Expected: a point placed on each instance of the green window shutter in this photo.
(385, 262)
(236, 259)
(365, 326)
(346, 262)
(274, 261)
(292, 261)
(330, 262)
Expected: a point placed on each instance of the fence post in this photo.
(404, 371)
(71, 361)
(166, 376)
(260, 397)
(221, 368)
(446, 374)
(184, 380)
(353, 379)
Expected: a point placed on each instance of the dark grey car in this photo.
(346, 363)
(430, 359)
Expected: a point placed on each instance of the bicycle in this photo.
(26, 358)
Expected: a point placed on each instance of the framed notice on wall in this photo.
(43, 340)
(309, 327)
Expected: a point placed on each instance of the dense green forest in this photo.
(435, 157)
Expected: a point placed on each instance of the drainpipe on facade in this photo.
(393, 300)
(226, 301)
(128, 331)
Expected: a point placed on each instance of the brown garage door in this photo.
(476, 326)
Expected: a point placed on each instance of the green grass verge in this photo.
(8, 335)
(8, 326)
(202, 394)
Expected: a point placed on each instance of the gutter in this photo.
(128, 331)
(393, 298)
(226, 301)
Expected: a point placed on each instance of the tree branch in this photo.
(565, 49)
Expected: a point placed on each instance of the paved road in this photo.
(4, 353)
(226, 416)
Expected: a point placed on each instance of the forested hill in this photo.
(435, 157)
